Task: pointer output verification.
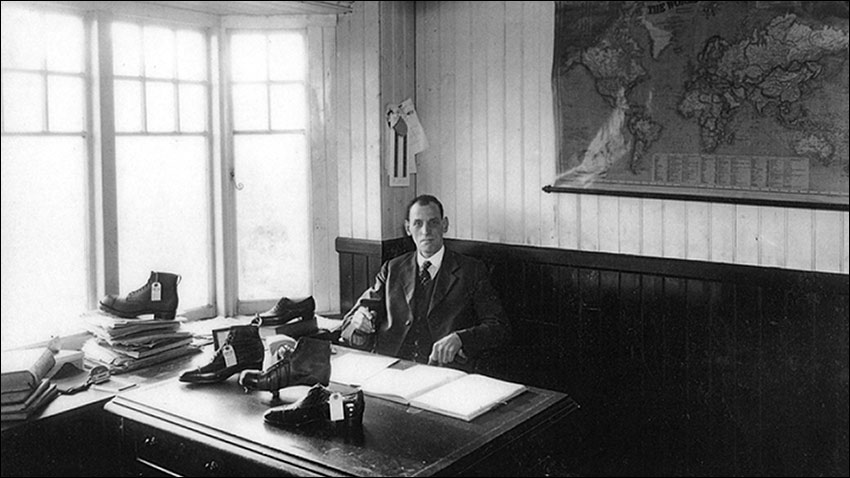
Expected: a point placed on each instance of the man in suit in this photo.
(437, 306)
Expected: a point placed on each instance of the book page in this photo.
(468, 397)
(353, 368)
(403, 385)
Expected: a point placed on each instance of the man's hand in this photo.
(445, 349)
(363, 320)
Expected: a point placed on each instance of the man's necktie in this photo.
(424, 275)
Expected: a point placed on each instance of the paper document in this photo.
(353, 368)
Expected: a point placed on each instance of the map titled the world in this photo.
(716, 97)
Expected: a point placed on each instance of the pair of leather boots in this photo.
(158, 297)
(308, 363)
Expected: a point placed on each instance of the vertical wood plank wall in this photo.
(483, 91)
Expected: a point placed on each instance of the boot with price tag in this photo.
(320, 405)
(241, 350)
(158, 297)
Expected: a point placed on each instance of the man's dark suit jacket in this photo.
(464, 301)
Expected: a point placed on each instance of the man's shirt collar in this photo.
(436, 260)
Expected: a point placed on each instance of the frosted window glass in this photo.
(160, 106)
(126, 49)
(22, 39)
(191, 55)
(250, 107)
(159, 52)
(128, 106)
(43, 237)
(65, 48)
(163, 213)
(23, 102)
(289, 109)
(248, 57)
(273, 216)
(287, 57)
(193, 118)
(65, 103)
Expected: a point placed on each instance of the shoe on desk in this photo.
(316, 407)
(287, 309)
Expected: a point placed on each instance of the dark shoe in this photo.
(158, 297)
(308, 364)
(241, 350)
(286, 310)
(315, 406)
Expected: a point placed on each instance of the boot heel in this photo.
(165, 315)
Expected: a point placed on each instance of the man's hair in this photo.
(424, 200)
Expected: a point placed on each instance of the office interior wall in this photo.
(484, 96)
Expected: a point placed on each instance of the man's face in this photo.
(426, 227)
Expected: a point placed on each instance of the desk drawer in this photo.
(159, 453)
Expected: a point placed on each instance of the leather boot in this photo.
(308, 364)
(242, 349)
(158, 297)
(315, 406)
(287, 309)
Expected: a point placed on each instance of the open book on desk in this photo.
(441, 390)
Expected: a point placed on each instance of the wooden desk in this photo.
(218, 429)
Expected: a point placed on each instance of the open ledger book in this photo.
(442, 390)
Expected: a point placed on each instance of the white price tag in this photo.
(229, 355)
(335, 402)
(156, 292)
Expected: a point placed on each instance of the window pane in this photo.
(128, 106)
(43, 237)
(163, 213)
(191, 55)
(65, 43)
(248, 57)
(22, 39)
(23, 102)
(160, 106)
(66, 103)
(273, 216)
(126, 49)
(193, 118)
(287, 56)
(159, 52)
(289, 109)
(250, 107)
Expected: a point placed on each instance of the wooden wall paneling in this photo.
(427, 83)
(609, 223)
(774, 229)
(723, 235)
(347, 282)
(372, 119)
(323, 264)
(588, 222)
(612, 345)
(447, 127)
(800, 239)
(495, 86)
(673, 217)
(545, 28)
(567, 207)
(344, 125)
(723, 347)
(514, 180)
(698, 399)
(747, 231)
(529, 157)
(464, 119)
(674, 377)
(845, 240)
(650, 361)
(777, 412)
(357, 105)
(480, 198)
(749, 375)
(629, 223)
(569, 314)
(329, 133)
(828, 234)
(652, 240)
(360, 276)
(697, 230)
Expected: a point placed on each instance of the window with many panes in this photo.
(115, 138)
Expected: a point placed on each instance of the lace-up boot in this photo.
(308, 364)
(317, 406)
(158, 297)
(241, 350)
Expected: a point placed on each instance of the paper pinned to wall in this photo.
(417, 141)
(405, 138)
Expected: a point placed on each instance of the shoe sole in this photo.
(167, 315)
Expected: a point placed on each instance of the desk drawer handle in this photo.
(211, 466)
(150, 441)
